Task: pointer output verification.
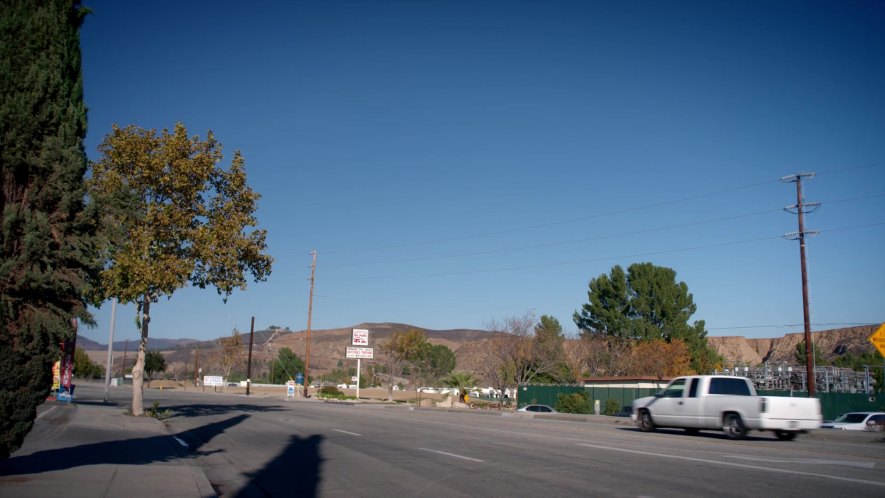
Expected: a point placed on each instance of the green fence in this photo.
(832, 404)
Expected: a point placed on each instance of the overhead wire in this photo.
(588, 217)
(550, 224)
(590, 260)
(582, 240)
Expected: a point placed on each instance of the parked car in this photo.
(857, 421)
(537, 409)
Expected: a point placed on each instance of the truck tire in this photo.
(733, 426)
(785, 435)
(646, 424)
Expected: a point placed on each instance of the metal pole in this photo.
(313, 268)
(809, 347)
(107, 374)
(357, 379)
(249, 365)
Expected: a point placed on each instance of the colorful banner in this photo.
(65, 389)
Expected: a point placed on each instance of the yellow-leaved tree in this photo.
(172, 216)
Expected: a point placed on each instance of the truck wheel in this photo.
(733, 426)
(785, 435)
(645, 422)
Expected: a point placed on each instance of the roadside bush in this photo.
(330, 391)
(612, 407)
(573, 403)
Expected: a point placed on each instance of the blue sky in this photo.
(454, 162)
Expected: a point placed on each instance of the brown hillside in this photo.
(471, 347)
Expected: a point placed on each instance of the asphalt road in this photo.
(261, 446)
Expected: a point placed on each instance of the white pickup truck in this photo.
(725, 403)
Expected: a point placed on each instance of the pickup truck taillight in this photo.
(763, 406)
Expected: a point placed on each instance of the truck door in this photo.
(669, 408)
(691, 407)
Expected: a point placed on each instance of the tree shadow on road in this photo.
(192, 410)
(133, 451)
(294, 472)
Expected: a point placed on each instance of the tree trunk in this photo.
(138, 369)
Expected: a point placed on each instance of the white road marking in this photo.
(47, 412)
(453, 455)
(812, 461)
(732, 464)
(180, 442)
(346, 432)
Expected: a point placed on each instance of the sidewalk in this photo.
(90, 449)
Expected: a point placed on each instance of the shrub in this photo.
(578, 402)
(330, 391)
(612, 407)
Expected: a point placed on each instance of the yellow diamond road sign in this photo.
(878, 339)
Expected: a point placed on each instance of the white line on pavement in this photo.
(346, 432)
(452, 455)
(47, 412)
(180, 442)
(732, 464)
(810, 461)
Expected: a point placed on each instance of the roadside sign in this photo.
(360, 337)
(213, 381)
(290, 389)
(360, 353)
(878, 339)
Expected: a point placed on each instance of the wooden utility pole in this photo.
(249, 364)
(801, 208)
(313, 268)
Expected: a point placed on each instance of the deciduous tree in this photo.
(230, 352)
(399, 348)
(47, 238)
(154, 362)
(84, 367)
(183, 220)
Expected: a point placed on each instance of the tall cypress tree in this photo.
(47, 230)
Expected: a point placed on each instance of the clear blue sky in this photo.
(458, 161)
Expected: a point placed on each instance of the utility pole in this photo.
(249, 365)
(123, 367)
(313, 268)
(196, 367)
(801, 207)
(107, 374)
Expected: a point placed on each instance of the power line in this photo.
(591, 260)
(552, 223)
(584, 218)
(791, 325)
(577, 241)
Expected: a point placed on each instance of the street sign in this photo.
(290, 389)
(360, 337)
(363, 353)
(878, 339)
(213, 380)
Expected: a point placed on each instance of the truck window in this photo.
(675, 389)
(693, 388)
(736, 386)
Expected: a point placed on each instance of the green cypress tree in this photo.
(48, 247)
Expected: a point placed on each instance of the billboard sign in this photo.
(361, 353)
(360, 337)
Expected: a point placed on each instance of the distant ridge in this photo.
(87, 344)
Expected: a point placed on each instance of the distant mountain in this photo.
(161, 344)
(471, 347)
